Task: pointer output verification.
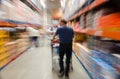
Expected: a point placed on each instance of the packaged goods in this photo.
(82, 21)
(106, 45)
(89, 19)
(96, 18)
(2, 62)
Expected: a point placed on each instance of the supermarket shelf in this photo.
(113, 34)
(81, 30)
(108, 26)
(34, 6)
(97, 59)
(14, 23)
(7, 24)
(13, 59)
(109, 22)
(108, 34)
(78, 54)
(82, 65)
(93, 5)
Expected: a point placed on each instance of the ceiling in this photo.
(53, 8)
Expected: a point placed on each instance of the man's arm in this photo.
(54, 36)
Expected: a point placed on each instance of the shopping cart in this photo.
(55, 54)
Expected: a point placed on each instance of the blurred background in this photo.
(96, 45)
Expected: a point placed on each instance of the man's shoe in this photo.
(61, 74)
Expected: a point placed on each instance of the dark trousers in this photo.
(65, 48)
(34, 39)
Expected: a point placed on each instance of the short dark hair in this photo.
(64, 21)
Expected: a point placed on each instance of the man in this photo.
(66, 35)
(33, 34)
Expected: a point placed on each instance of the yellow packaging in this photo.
(3, 62)
(4, 33)
(3, 56)
(1, 40)
(80, 37)
(2, 49)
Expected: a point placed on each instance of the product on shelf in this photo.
(111, 6)
(76, 48)
(105, 64)
(97, 16)
(82, 21)
(76, 28)
(80, 37)
(106, 45)
(110, 22)
(72, 24)
(99, 65)
(10, 47)
(3, 62)
(89, 19)
(4, 35)
(101, 62)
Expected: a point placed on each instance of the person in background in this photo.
(33, 35)
(66, 35)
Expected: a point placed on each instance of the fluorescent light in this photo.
(43, 4)
(62, 3)
(73, 2)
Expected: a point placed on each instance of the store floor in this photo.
(36, 64)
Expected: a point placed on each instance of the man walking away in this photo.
(33, 35)
(66, 35)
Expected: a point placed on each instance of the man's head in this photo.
(63, 22)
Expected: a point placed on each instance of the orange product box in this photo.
(109, 22)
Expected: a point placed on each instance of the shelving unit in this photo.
(94, 4)
(4, 23)
(13, 37)
(97, 28)
(8, 48)
(12, 45)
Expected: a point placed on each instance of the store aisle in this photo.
(77, 73)
(36, 64)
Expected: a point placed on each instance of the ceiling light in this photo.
(43, 4)
(63, 3)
